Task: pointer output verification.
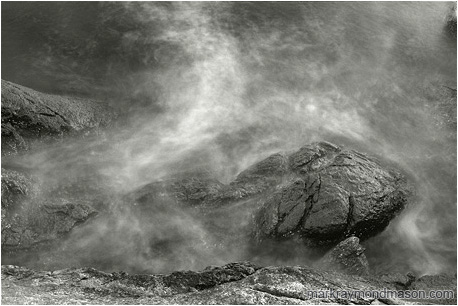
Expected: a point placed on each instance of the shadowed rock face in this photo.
(347, 257)
(29, 116)
(332, 193)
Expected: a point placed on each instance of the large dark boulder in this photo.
(29, 116)
(331, 193)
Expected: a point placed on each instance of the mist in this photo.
(216, 87)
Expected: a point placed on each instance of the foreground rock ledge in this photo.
(235, 283)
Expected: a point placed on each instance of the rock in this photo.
(15, 188)
(401, 281)
(443, 285)
(12, 142)
(29, 220)
(193, 189)
(317, 196)
(451, 20)
(330, 194)
(236, 283)
(347, 257)
(32, 226)
(28, 116)
(260, 176)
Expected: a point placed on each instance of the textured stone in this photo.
(29, 116)
(236, 283)
(333, 193)
(347, 257)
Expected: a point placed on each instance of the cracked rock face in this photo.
(29, 116)
(331, 194)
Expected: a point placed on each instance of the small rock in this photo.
(347, 257)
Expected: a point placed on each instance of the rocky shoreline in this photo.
(235, 283)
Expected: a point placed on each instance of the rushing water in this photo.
(220, 85)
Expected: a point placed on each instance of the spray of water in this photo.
(223, 85)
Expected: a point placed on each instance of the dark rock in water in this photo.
(236, 283)
(12, 142)
(29, 221)
(347, 257)
(34, 225)
(15, 188)
(321, 194)
(193, 189)
(261, 176)
(28, 115)
(332, 194)
(451, 20)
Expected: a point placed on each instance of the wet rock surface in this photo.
(235, 283)
(15, 188)
(316, 196)
(29, 116)
(29, 221)
(42, 224)
(332, 193)
(194, 189)
(347, 257)
(204, 190)
(451, 20)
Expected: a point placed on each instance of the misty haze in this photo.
(227, 152)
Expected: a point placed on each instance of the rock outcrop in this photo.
(347, 257)
(321, 193)
(29, 116)
(42, 224)
(28, 221)
(331, 193)
(237, 283)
